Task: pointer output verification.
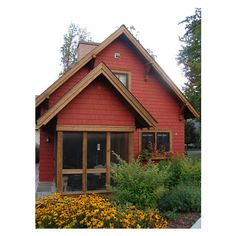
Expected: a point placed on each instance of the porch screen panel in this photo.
(72, 150)
(148, 140)
(96, 181)
(72, 182)
(120, 145)
(163, 141)
(96, 150)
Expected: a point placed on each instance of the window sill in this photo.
(158, 158)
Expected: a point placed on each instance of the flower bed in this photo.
(92, 211)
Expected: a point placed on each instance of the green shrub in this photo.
(172, 185)
(191, 172)
(182, 198)
(180, 170)
(137, 184)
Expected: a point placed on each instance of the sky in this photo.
(157, 22)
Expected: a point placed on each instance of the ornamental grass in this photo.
(92, 211)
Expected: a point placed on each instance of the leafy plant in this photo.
(138, 184)
(145, 155)
(182, 198)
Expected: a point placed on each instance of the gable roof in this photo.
(122, 30)
(101, 68)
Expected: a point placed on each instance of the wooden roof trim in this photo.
(99, 48)
(82, 84)
(129, 97)
(159, 70)
(78, 66)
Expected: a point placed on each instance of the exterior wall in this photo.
(152, 93)
(67, 85)
(98, 104)
(46, 156)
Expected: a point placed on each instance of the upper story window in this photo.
(123, 77)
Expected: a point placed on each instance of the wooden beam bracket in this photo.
(148, 67)
(181, 112)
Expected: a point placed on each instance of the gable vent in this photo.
(117, 55)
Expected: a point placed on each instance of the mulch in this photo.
(184, 220)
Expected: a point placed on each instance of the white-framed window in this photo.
(123, 77)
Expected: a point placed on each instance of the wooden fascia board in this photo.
(160, 71)
(98, 49)
(68, 97)
(78, 66)
(101, 68)
(130, 98)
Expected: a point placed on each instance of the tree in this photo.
(190, 57)
(69, 48)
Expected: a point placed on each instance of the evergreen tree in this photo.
(190, 57)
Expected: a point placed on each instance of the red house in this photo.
(115, 98)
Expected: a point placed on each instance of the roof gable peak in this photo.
(101, 68)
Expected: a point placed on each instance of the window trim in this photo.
(128, 73)
(155, 137)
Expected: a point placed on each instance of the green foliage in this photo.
(172, 185)
(192, 135)
(180, 170)
(145, 155)
(170, 215)
(137, 184)
(69, 48)
(184, 186)
(191, 172)
(182, 198)
(190, 57)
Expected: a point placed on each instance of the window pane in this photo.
(72, 150)
(119, 144)
(96, 181)
(72, 182)
(123, 79)
(96, 152)
(148, 140)
(163, 141)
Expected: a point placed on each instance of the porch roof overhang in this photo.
(142, 117)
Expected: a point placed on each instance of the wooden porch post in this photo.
(59, 160)
(84, 163)
(108, 160)
(131, 147)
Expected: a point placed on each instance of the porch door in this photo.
(96, 161)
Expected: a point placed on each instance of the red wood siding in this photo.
(151, 93)
(67, 85)
(46, 156)
(98, 104)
